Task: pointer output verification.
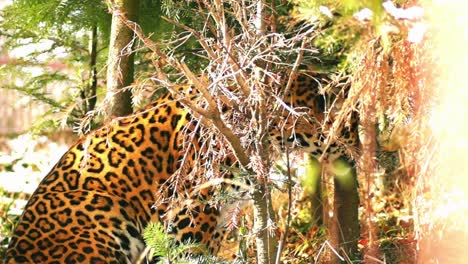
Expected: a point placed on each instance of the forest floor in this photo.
(25, 160)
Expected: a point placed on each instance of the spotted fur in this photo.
(94, 204)
(321, 108)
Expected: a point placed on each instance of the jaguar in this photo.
(93, 206)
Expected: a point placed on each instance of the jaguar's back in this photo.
(95, 202)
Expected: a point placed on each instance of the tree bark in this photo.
(121, 59)
(92, 87)
(88, 92)
(346, 205)
(264, 217)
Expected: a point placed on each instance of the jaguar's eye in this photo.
(299, 140)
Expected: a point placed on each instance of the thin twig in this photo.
(284, 237)
(293, 74)
(199, 37)
(327, 244)
(212, 112)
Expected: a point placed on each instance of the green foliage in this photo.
(63, 105)
(175, 9)
(167, 250)
(396, 239)
(340, 34)
(39, 34)
(7, 220)
(311, 10)
(56, 17)
(151, 22)
(63, 23)
(156, 237)
(47, 41)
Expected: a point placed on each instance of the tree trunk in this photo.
(88, 92)
(264, 218)
(346, 204)
(368, 168)
(121, 59)
(92, 87)
(264, 215)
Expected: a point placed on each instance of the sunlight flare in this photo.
(443, 210)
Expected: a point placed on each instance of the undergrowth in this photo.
(7, 219)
